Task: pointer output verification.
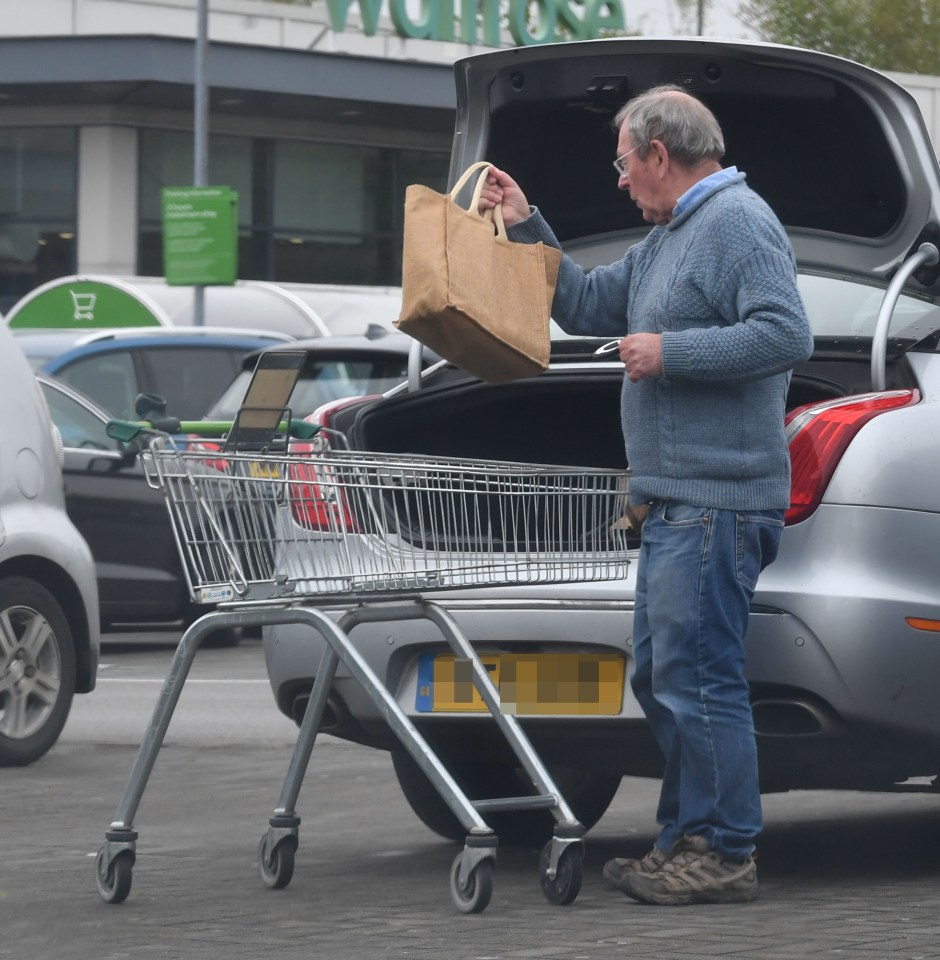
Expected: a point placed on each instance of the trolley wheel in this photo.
(114, 881)
(277, 871)
(474, 896)
(565, 886)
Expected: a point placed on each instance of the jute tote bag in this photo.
(468, 292)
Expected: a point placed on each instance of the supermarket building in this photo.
(319, 116)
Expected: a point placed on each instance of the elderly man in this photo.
(712, 325)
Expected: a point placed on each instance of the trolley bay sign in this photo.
(200, 235)
(529, 21)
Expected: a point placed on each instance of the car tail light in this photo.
(316, 502)
(818, 435)
(323, 416)
(193, 442)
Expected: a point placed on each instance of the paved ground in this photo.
(855, 876)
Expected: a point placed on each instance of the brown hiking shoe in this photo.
(694, 873)
(617, 869)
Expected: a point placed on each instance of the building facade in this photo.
(318, 132)
(319, 116)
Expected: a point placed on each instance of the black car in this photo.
(124, 520)
(334, 368)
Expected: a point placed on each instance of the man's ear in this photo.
(662, 154)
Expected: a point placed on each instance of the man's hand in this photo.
(501, 188)
(642, 355)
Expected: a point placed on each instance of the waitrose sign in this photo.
(479, 21)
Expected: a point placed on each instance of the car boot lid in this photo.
(839, 151)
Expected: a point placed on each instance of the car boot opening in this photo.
(562, 420)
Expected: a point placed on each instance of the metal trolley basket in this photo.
(274, 539)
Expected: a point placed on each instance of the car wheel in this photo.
(37, 671)
(588, 793)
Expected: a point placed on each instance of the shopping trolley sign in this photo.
(218, 594)
(529, 684)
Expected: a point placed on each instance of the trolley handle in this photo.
(128, 430)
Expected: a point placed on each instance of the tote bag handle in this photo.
(494, 214)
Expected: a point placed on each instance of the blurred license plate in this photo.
(263, 471)
(576, 684)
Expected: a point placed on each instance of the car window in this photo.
(190, 378)
(322, 380)
(839, 307)
(78, 426)
(108, 378)
(328, 380)
(847, 308)
(226, 406)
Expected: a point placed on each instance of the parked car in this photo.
(140, 577)
(48, 595)
(124, 520)
(843, 640)
(335, 368)
(188, 367)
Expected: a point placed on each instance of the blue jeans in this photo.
(695, 579)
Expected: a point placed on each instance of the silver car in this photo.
(48, 592)
(844, 638)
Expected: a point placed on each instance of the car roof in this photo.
(55, 349)
(76, 337)
(377, 341)
(838, 150)
(39, 346)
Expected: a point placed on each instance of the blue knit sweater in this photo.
(719, 283)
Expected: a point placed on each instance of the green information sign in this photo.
(82, 304)
(200, 235)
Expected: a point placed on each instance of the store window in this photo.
(166, 160)
(329, 205)
(38, 208)
(309, 212)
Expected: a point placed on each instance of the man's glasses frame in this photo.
(620, 163)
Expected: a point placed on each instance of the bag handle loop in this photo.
(465, 179)
(495, 214)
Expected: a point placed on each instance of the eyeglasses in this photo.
(620, 165)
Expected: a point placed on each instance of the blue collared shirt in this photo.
(701, 189)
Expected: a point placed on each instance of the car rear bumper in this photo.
(835, 669)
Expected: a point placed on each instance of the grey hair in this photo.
(686, 127)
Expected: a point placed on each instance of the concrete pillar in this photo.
(107, 200)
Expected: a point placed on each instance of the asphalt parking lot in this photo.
(843, 875)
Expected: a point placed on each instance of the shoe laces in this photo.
(685, 851)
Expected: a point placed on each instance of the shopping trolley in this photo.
(291, 538)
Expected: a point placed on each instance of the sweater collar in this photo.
(698, 193)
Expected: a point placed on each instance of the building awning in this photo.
(158, 72)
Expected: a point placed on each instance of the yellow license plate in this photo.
(534, 684)
(263, 471)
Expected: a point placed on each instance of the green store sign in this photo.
(200, 235)
(529, 21)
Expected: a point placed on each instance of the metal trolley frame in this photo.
(284, 539)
